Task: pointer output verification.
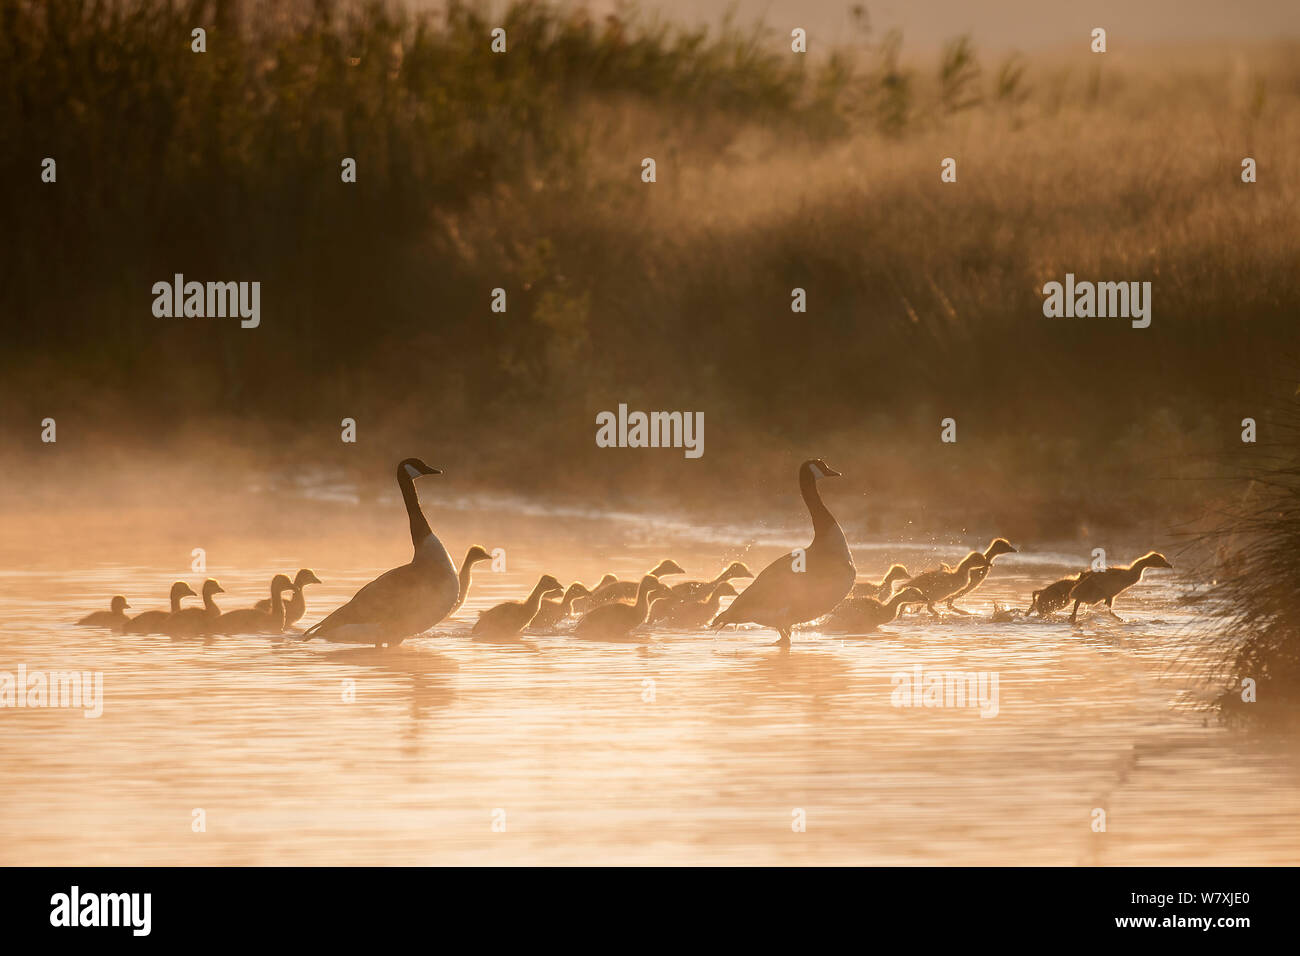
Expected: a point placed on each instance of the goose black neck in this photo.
(419, 526)
(534, 601)
(822, 519)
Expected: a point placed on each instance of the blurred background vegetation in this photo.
(522, 171)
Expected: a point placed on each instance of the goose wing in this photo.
(769, 595)
(379, 601)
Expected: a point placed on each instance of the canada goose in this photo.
(615, 621)
(150, 622)
(195, 620)
(938, 583)
(1053, 597)
(1098, 586)
(881, 591)
(627, 590)
(978, 573)
(113, 617)
(473, 556)
(698, 590)
(551, 613)
(691, 611)
(507, 620)
(406, 600)
(857, 615)
(251, 620)
(799, 587)
(297, 606)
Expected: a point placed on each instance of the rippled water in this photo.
(692, 747)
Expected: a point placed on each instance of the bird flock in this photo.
(817, 583)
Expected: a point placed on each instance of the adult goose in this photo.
(473, 556)
(508, 619)
(804, 584)
(616, 621)
(195, 620)
(297, 604)
(697, 590)
(627, 590)
(882, 590)
(1103, 586)
(115, 617)
(691, 611)
(858, 615)
(996, 547)
(1053, 597)
(941, 583)
(251, 620)
(150, 622)
(552, 612)
(406, 600)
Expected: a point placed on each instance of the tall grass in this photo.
(522, 171)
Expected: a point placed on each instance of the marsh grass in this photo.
(521, 171)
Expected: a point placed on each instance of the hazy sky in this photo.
(1002, 24)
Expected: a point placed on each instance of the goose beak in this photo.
(831, 472)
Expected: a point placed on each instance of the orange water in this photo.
(690, 748)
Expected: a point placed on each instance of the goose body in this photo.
(858, 615)
(115, 617)
(406, 600)
(1053, 597)
(980, 571)
(552, 612)
(627, 590)
(616, 621)
(151, 622)
(881, 591)
(195, 620)
(296, 606)
(695, 590)
(690, 611)
(1102, 586)
(509, 619)
(473, 556)
(781, 596)
(941, 583)
(251, 620)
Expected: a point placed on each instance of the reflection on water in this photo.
(690, 748)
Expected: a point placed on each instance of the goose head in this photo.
(210, 587)
(896, 572)
(666, 567)
(737, 570)
(1153, 559)
(659, 592)
(998, 546)
(909, 596)
(576, 590)
(817, 469)
(549, 585)
(180, 589)
(414, 468)
(304, 577)
(476, 554)
(649, 584)
(281, 583)
(118, 604)
(606, 581)
(725, 590)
